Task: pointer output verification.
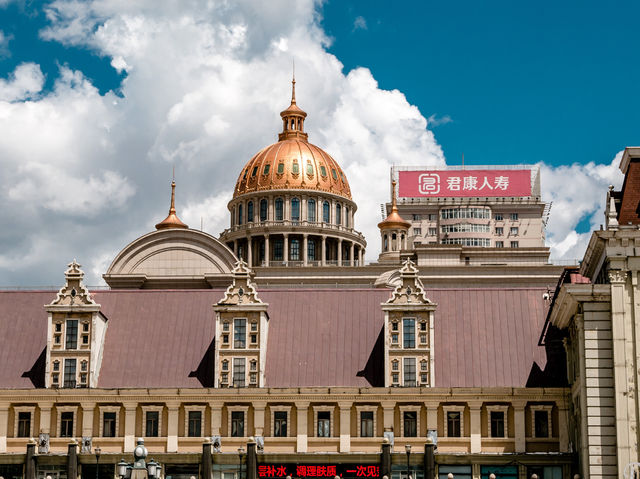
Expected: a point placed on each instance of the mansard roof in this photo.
(317, 337)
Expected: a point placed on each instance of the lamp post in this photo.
(407, 448)
(97, 452)
(240, 453)
(140, 469)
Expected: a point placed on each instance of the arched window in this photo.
(338, 214)
(295, 209)
(295, 250)
(386, 243)
(263, 209)
(311, 211)
(225, 365)
(309, 168)
(295, 169)
(325, 212)
(346, 216)
(240, 214)
(279, 209)
(250, 212)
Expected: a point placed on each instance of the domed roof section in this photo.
(292, 163)
(394, 220)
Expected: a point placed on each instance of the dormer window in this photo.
(85, 327)
(71, 339)
(83, 365)
(280, 168)
(295, 168)
(56, 365)
(266, 169)
(309, 168)
(225, 365)
(225, 326)
(58, 327)
(253, 365)
(323, 171)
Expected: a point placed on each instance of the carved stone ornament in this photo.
(242, 290)
(410, 289)
(617, 276)
(74, 292)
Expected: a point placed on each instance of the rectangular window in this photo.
(152, 423)
(85, 339)
(58, 327)
(410, 372)
(417, 231)
(109, 424)
(409, 333)
(433, 231)
(410, 420)
(497, 423)
(66, 424)
(417, 217)
(433, 217)
(499, 244)
(195, 422)
(263, 208)
(515, 244)
(85, 327)
(311, 211)
(280, 424)
(395, 378)
(498, 217)
(499, 231)
(278, 249)
(453, 423)
(237, 424)
(394, 338)
(541, 423)
(239, 372)
(514, 216)
(295, 250)
(324, 423)
(69, 373)
(254, 338)
(513, 231)
(71, 340)
(311, 250)
(240, 333)
(279, 207)
(366, 424)
(24, 424)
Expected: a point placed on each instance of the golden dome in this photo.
(394, 220)
(292, 163)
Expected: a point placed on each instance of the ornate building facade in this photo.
(277, 338)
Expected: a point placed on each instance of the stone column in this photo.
(305, 239)
(339, 251)
(235, 246)
(519, 425)
(266, 250)
(258, 418)
(388, 413)
(216, 418)
(345, 426)
(302, 409)
(172, 426)
(285, 251)
(4, 425)
(324, 250)
(351, 258)
(88, 410)
(45, 417)
(563, 427)
(476, 431)
(303, 208)
(432, 415)
(130, 426)
(249, 252)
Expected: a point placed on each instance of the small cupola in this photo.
(393, 229)
(293, 119)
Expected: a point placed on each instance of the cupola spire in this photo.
(172, 220)
(293, 117)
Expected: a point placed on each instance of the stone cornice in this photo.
(566, 304)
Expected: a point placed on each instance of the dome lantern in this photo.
(293, 118)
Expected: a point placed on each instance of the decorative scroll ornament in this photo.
(74, 292)
(242, 290)
(410, 288)
(617, 276)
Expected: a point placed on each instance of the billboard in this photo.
(463, 183)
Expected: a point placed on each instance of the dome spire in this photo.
(293, 117)
(172, 220)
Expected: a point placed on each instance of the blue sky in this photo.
(100, 100)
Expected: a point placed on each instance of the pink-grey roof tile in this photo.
(160, 338)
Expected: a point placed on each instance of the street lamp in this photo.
(407, 447)
(152, 468)
(97, 451)
(240, 453)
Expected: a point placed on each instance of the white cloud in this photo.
(4, 44)
(84, 173)
(360, 23)
(578, 192)
(25, 82)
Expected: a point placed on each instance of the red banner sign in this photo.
(459, 183)
(271, 471)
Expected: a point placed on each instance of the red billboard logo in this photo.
(459, 183)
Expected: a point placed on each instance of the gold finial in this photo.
(293, 85)
(394, 203)
(394, 220)
(172, 220)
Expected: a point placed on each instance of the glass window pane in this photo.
(410, 419)
(324, 424)
(69, 373)
(409, 332)
(239, 372)
(280, 424)
(237, 424)
(366, 424)
(152, 421)
(311, 211)
(71, 341)
(195, 421)
(239, 333)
